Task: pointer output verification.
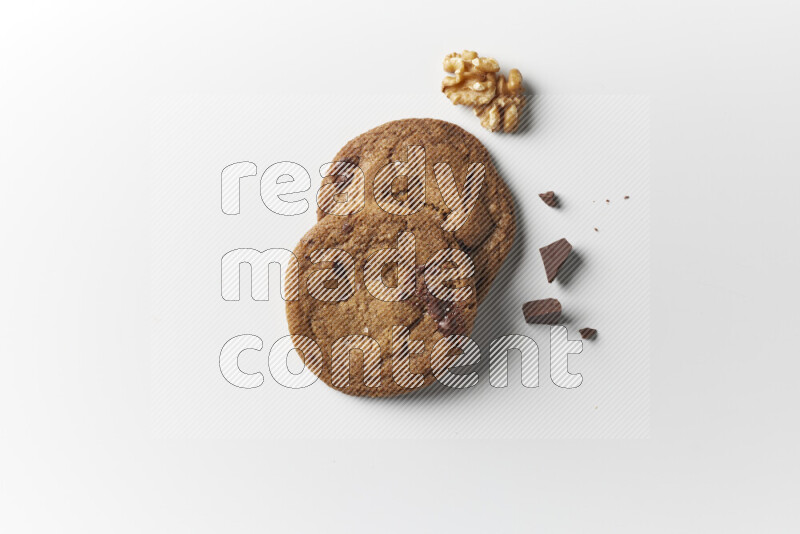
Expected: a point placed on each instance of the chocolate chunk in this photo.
(587, 333)
(549, 198)
(453, 323)
(448, 316)
(347, 227)
(436, 308)
(546, 311)
(553, 256)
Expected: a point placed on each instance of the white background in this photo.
(77, 451)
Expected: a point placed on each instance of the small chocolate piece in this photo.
(596, 230)
(553, 256)
(587, 333)
(627, 197)
(608, 201)
(549, 198)
(347, 227)
(546, 311)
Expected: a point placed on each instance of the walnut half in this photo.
(473, 81)
(503, 111)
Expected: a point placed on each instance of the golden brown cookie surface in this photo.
(347, 300)
(487, 234)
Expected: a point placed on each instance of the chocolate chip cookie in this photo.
(488, 232)
(372, 286)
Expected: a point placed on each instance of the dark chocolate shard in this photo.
(553, 256)
(549, 198)
(587, 333)
(545, 311)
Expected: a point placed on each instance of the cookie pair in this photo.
(392, 274)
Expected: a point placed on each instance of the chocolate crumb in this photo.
(549, 198)
(596, 230)
(545, 311)
(608, 201)
(627, 197)
(553, 256)
(588, 333)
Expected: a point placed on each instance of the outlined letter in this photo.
(229, 361)
(231, 184)
(284, 178)
(498, 360)
(561, 347)
(259, 273)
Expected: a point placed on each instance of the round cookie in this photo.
(487, 234)
(326, 275)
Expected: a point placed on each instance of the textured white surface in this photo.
(77, 450)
